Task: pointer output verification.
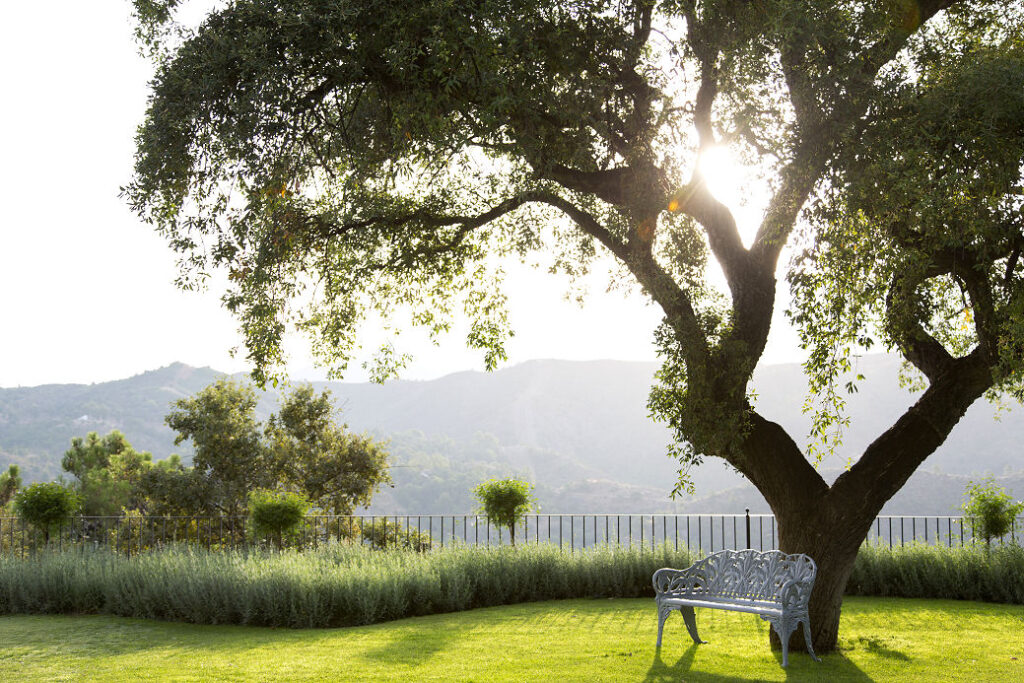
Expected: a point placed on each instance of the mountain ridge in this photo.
(569, 422)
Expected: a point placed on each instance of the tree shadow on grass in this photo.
(835, 667)
(414, 646)
(877, 646)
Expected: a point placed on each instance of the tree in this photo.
(505, 502)
(276, 513)
(350, 156)
(108, 471)
(336, 470)
(45, 506)
(10, 482)
(990, 510)
(300, 449)
(230, 458)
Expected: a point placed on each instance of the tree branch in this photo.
(659, 285)
(890, 460)
(786, 472)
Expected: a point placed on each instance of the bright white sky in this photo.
(87, 290)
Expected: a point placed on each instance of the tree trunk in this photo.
(832, 541)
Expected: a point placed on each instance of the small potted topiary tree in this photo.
(275, 514)
(990, 510)
(45, 506)
(505, 502)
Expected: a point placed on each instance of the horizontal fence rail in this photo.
(699, 533)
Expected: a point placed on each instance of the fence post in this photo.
(748, 527)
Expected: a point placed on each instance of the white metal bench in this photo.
(772, 584)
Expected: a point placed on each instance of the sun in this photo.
(722, 174)
(735, 185)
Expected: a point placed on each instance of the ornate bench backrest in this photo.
(743, 575)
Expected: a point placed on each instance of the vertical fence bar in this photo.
(748, 528)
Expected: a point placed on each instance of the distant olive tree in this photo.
(505, 502)
(45, 506)
(990, 510)
(10, 482)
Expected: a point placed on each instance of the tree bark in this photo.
(832, 542)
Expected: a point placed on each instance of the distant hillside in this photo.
(579, 429)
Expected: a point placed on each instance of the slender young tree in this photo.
(336, 157)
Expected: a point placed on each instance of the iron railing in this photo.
(701, 533)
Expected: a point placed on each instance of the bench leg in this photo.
(807, 639)
(663, 612)
(784, 629)
(691, 624)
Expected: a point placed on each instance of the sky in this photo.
(87, 289)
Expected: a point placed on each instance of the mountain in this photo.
(580, 430)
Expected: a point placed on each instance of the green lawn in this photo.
(578, 640)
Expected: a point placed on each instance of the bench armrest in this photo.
(795, 594)
(668, 581)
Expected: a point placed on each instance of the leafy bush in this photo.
(275, 514)
(45, 506)
(505, 502)
(336, 585)
(383, 533)
(990, 510)
(924, 571)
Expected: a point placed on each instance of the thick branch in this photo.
(923, 350)
(773, 462)
(617, 186)
(890, 460)
(722, 231)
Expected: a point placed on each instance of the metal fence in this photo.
(701, 533)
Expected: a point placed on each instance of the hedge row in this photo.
(346, 585)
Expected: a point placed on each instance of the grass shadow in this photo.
(413, 645)
(660, 671)
(877, 646)
(833, 667)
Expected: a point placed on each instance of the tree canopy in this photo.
(340, 157)
(107, 470)
(300, 449)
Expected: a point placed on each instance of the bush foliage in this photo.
(342, 584)
(45, 505)
(923, 571)
(990, 510)
(339, 585)
(505, 502)
(276, 514)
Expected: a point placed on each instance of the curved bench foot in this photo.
(807, 639)
(691, 624)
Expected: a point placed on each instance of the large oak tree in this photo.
(338, 157)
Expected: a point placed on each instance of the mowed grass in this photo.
(571, 640)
